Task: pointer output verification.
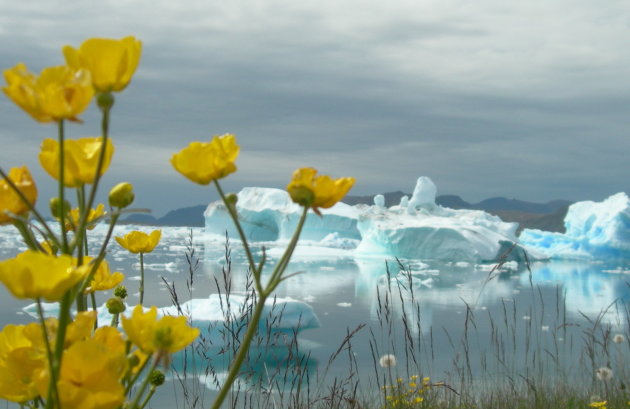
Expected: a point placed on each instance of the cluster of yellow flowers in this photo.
(72, 361)
(406, 394)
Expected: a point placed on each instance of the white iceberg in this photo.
(269, 214)
(594, 230)
(417, 228)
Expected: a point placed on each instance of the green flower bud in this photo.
(121, 292)
(105, 100)
(56, 209)
(231, 199)
(121, 195)
(115, 305)
(156, 378)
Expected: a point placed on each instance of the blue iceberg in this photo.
(594, 230)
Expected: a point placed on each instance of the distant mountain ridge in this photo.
(544, 216)
(456, 202)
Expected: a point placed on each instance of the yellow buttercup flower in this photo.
(103, 278)
(94, 215)
(203, 162)
(20, 362)
(58, 93)
(315, 192)
(35, 275)
(81, 328)
(89, 377)
(111, 62)
(140, 242)
(10, 202)
(168, 334)
(81, 159)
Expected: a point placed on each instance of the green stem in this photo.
(149, 396)
(31, 208)
(97, 176)
(135, 377)
(232, 211)
(141, 278)
(147, 379)
(26, 234)
(53, 393)
(114, 322)
(276, 276)
(242, 352)
(61, 184)
(101, 254)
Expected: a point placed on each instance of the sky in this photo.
(489, 98)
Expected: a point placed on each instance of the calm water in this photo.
(454, 322)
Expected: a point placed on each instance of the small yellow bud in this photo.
(121, 195)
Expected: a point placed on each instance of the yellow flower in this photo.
(140, 242)
(103, 278)
(89, 377)
(73, 216)
(81, 328)
(35, 275)
(81, 159)
(10, 202)
(58, 93)
(111, 62)
(203, 162)
(601, 404)
(168, 334)
(313, 191)
(20, 362)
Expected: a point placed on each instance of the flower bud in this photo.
(302, 196)
(121, 195)
(56, 209)
(115, 305)
(156, 378)
(105, 100)
(121, 292)
(231, 199)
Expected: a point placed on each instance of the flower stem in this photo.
(242, 352)
(97, 175)
(31, 208)
(62, 216)
(276, 276)
(232, 211)
(52, 386)
(141, 278)
(147, 379)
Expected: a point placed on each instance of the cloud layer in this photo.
(525, 100)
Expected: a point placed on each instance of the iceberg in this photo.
(594, 230)
(417, 228)
(269, 214)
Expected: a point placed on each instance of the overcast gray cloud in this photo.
(488, 98)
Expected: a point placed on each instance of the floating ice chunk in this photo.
(423, 194)
(379, 201)
(594, 230)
